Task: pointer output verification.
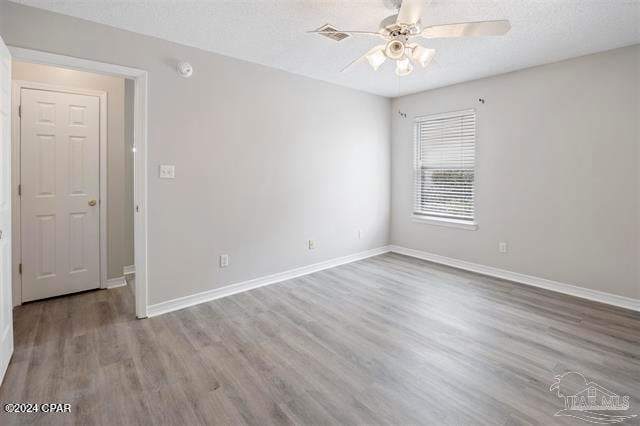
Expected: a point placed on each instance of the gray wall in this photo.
(265, 160)
(119, 184)
(557, 173)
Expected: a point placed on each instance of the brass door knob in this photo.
(92, 203)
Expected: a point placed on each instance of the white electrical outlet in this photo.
(312, 244)
(224, 260)
(502, 247)
(167, 171)
(360, 234)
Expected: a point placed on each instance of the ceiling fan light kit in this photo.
(376, 58)
(403, 67)
(422, 55)
(398, 31)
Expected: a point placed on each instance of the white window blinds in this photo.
(444, 165)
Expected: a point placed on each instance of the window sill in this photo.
(451, 223)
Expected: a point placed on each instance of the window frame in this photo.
(432, 219)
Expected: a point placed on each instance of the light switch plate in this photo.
(167, 171)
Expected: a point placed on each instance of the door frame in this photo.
(140, 122)
(16, 148)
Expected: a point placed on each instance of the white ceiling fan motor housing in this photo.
(390, 27)
(394, 49)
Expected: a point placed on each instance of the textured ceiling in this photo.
(272, 33)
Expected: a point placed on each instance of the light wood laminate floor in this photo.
(386, 340)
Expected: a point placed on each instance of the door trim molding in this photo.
(16, 141)
(140, 119)
(5, 352)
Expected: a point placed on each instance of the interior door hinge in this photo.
(19, 190)
(19, 111)
(20, 269)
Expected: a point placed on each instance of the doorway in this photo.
(138, 206)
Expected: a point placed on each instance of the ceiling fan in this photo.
(400, 30)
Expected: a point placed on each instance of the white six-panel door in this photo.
(6, 305)
(60, 193)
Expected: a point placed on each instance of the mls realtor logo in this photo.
(588, 401)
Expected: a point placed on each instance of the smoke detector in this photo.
(185, 69)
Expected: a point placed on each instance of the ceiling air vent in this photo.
(332, 33)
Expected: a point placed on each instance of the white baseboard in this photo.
(206, 296)
(129, 270)
(581, 292)
(116, 282)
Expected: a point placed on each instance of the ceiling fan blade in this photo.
(354, 33)
(375, 63)
(468, 29)
(410, 12)
(422, 55)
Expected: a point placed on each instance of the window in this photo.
(444, 167)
